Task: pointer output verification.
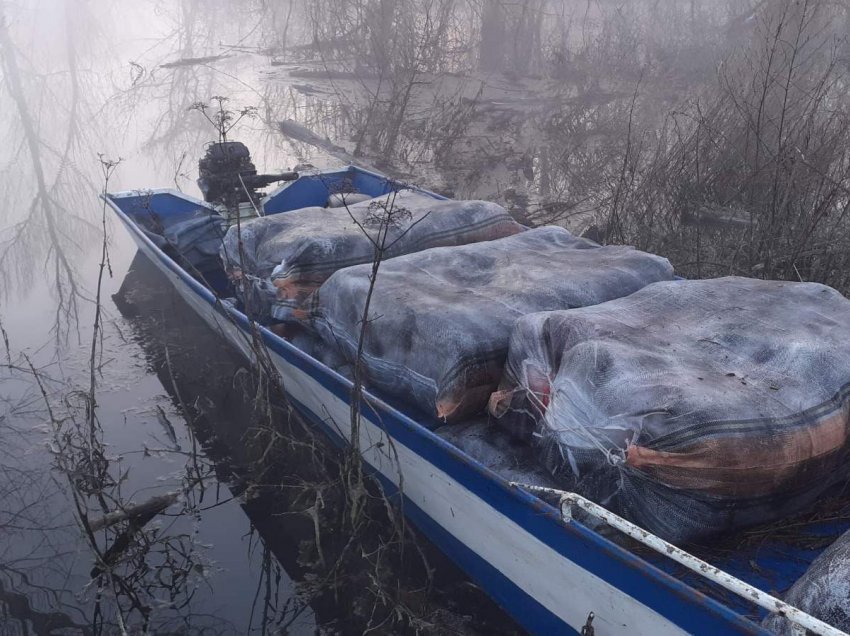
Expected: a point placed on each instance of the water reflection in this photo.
(137, 522)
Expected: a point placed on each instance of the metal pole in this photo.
(800, 620)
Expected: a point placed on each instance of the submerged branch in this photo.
(146, 510)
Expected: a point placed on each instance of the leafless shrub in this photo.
(222, 119)
(751, 177)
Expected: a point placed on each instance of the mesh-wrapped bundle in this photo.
(690, 407)
(823, 591)
(197, 240)
(299, 250)
(194, 240)
(440, 319)
(488, 444)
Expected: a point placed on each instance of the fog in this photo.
(715, 133)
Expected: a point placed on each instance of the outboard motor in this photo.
(228, 176)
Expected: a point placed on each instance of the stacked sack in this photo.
(440, 320)
(689, 407)
(279, 260)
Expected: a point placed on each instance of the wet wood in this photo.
(148, 509)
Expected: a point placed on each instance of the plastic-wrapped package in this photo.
(823, 591)
(299, 250)
(198, 240)
(440, 319)
(195, 238)
(690, 407)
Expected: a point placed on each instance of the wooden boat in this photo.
(552, 573)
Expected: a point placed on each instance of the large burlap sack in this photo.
(690, 407)
(440, 320)
(299, 250)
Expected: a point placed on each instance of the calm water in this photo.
(201, 566)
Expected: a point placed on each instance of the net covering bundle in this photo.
(689, 407)
(283, 258)
(440, 320)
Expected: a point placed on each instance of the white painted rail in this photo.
(801, 621)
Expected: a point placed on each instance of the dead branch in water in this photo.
(144, 510)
